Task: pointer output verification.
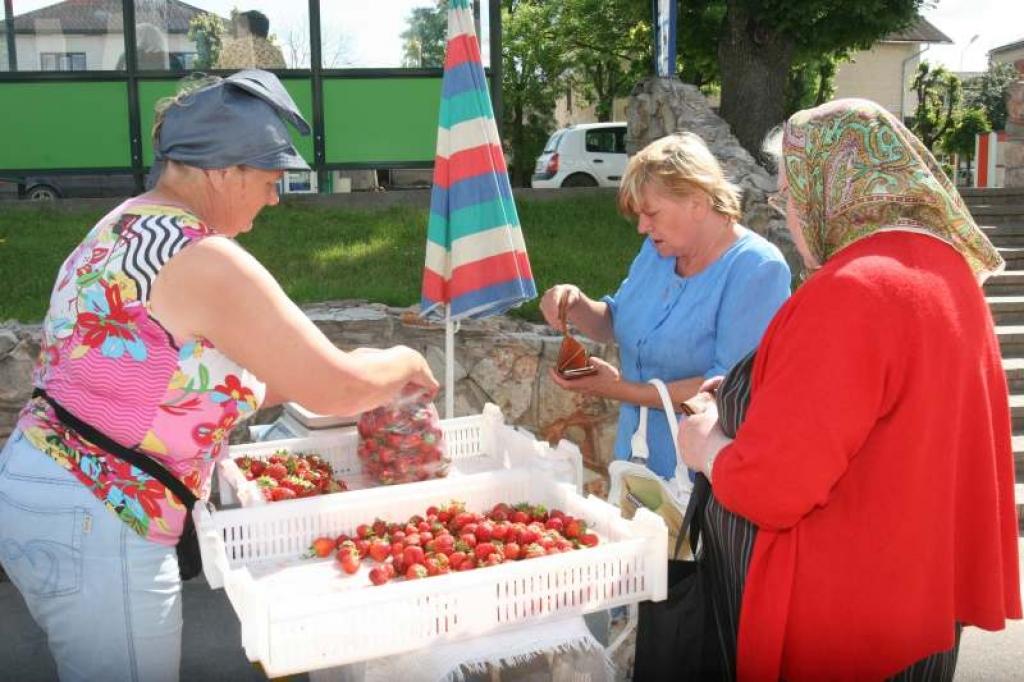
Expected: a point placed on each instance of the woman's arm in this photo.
(215, 289)
(823, 377)
(608, 383)
(591, 317)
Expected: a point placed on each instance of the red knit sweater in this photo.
(876, 460)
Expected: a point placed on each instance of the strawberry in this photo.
(413, 555)
(280, 493)
(349, 560)
(554, 524)
(380, 550)
(574, 528)
(533, 551)
(456, 559)
(416, 571)
(363, 531)
(320, 547)
(589, 540)
(484, 531)
(276, 471)
(484, 550)
(379, 574)
(511, 550)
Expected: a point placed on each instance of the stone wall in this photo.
(500, 360)
(1014, 154)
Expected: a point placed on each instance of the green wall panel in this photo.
(151, 91)
(64, 125)
(386, 119)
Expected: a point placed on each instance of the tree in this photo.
(609, 47)
(960, 138)
(759, 41)
(531, 81)
(988, 92)
(423, 42)
(938, 98)
(206, 30)
(812, 82)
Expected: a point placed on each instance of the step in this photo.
(971, 193)
(1011, 340)
(1007, 233)
(1013, 256)
(1014, 369)
(1005, 283)
(1017, 416)
(1007, 309)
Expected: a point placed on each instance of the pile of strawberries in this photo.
(452, 539)
(402, 443)
(287, 475)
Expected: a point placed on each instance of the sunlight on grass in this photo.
(350, 254)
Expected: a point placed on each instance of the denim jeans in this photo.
(108, 600)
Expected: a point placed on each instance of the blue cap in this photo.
(239, 120)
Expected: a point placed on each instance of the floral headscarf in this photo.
(853, 170)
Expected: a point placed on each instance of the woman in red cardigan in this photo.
(874, 463)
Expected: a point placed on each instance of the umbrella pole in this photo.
(449, 363)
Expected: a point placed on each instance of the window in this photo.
(183, 61)
(62, 61)
(62, 36)
(390, 35)
(221, 34)
(606, 140)
(553, 141)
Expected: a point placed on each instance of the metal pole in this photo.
(316, 81)
(12, 52)
(131, 65)
(496, 65)
(449, 363)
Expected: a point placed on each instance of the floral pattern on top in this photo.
(108, 361)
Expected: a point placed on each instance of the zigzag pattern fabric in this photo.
(476, 257)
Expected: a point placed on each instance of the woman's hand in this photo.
(701, 439)
(551, 302)
(419, 378)
(602, 384)
(711, 385)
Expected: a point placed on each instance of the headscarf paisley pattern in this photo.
(853, 169)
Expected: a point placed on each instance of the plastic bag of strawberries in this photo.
(402, 442)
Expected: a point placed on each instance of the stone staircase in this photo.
(1000, 212)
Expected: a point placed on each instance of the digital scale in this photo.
(298, 422)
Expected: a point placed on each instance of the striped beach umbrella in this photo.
(476, 263)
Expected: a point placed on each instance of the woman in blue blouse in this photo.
(697, 298)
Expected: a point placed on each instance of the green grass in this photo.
(320, 253)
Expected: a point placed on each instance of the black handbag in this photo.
(190, 561)
(676, 639)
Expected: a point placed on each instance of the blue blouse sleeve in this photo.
(756, 289)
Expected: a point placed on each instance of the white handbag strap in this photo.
(638, 443)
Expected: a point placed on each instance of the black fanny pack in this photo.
(190, 562)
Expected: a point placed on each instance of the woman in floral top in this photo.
(163, 334)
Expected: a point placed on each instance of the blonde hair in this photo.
(187, 86)
(682, 165)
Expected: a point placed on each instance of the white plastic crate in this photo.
(299, 615)
(475, 443)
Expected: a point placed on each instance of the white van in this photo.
(584, 155)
